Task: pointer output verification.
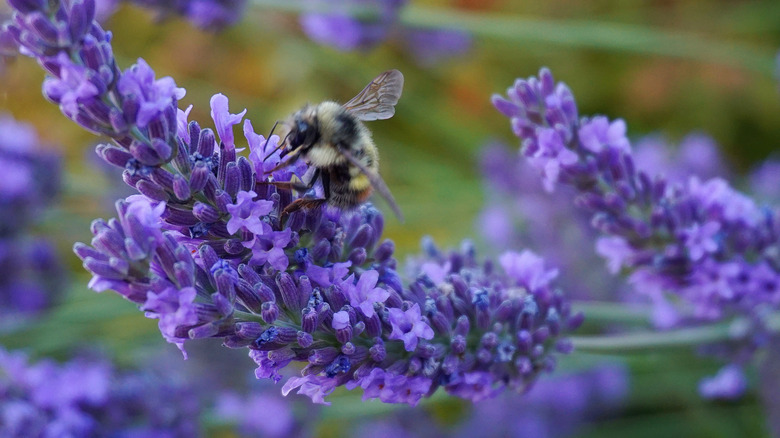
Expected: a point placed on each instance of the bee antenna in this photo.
(269, 135)
(281, 144)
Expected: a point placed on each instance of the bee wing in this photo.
(377, 101)
(376, 182)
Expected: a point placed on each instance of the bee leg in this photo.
(325, 184)
(287, 185)
(309, 203)
(303, 203)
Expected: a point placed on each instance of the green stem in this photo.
(246, 316)
(612, 312)
(574, 33)
(734, 330)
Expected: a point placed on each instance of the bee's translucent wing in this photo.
(376, 181)
(377, 101)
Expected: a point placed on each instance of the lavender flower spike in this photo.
(206, 250)
(699, 240)
(696, 239)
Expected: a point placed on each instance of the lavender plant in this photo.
(30, 273)
(205, 249)
(88, 397)
(699, 242)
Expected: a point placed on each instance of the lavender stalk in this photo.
(701, 241)
(205, 250)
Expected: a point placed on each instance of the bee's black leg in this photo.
(303, 203)
(308, 203)
(287, 185)
(325, 184)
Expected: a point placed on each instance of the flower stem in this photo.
(733, 330)
(613, 312)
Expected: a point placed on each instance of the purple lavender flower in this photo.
(363, 24)
(31, 276)
(409, 327)
(364, 294)
(431, 46)
(246, 213)
(765, 179)
(670, 235)
(209, 259)
(698, 243)
(728, 383)
(31, 176)
(277, 418)
(88, 397)
(351, 24)
(696, 154)
(212, 15)
(554, 408)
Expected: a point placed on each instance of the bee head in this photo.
(303, 130)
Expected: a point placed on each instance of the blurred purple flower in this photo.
(363, 24)
(277, 418)
(31, 276)
(728, 383)
(212, 15)
(351, 24)
(557, 407)
(764, 181)
(697, 154)
(431, 46)
(88, 397)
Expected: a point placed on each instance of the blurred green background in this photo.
(664, 66)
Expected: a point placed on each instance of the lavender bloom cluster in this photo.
(700, 239)
(702, 242)
(206, 250)
(363, 24)
(30, 274)
(87, 397)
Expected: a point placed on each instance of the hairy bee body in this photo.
(333, 140)
(339, 131)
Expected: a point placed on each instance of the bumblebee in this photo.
(338, 147)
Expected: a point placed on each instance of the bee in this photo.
(336, 144)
